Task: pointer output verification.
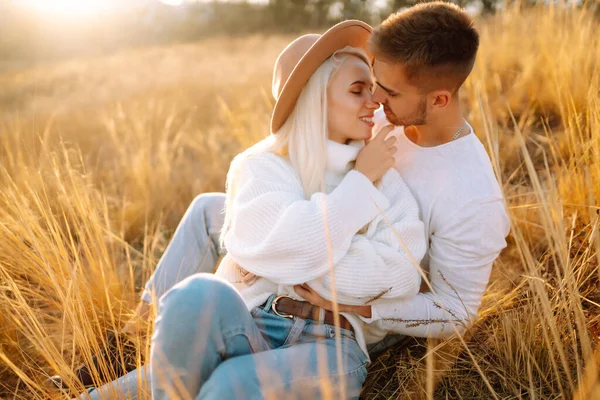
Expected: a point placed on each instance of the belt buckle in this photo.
(274, 307)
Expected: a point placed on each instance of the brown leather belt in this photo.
(287, 307)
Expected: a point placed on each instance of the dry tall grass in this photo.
(100, 157)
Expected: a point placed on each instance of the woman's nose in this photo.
(370, 104)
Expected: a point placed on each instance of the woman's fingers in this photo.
(383, 132)
(380, 136)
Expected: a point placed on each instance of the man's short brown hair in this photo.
(435, 42)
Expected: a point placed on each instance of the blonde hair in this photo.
(303, 137)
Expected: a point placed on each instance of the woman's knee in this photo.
(206, 204)
(205, 214)
(231, 381)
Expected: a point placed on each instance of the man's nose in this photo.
(378, 95)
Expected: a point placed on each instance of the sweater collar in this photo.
(341, 157)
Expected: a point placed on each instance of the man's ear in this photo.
(441, 98)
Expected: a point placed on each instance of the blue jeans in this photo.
(206, 345)
(194, 248)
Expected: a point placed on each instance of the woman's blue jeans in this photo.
(195, 248)
(206, 345)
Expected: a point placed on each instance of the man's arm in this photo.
(450, 308)
(461, 258)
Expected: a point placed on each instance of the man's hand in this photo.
(316, 299)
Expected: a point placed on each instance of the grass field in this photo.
(100, 157)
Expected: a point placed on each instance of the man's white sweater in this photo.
(286, 239)
(462, 207)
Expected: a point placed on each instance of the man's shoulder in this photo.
(469, 174)
(468, 183)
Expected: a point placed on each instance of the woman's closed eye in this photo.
(357, 89)
(360, 91)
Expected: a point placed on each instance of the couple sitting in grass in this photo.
(370, 184)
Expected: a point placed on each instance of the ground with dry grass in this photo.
(99, 158)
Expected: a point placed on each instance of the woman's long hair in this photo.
(303, 137)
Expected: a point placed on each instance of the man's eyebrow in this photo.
(390, 91)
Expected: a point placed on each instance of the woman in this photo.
(295, 209)
(297, 212)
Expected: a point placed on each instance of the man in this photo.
(422, 56)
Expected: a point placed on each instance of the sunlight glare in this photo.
(69, 8)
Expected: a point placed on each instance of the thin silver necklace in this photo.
(458, 132)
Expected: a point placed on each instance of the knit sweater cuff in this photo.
(360, 201)
(375, 316)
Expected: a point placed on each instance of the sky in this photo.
(73, 8)
(83, 8)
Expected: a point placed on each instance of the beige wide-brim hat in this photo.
(297, 62)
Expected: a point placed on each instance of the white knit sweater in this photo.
(466, 223)
(286, 239)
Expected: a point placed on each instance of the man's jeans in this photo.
(194, 248)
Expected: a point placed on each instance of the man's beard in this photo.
(417, 118)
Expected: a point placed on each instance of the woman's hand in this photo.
(377, 157)
(316, 299)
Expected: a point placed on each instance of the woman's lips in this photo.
(368, 121)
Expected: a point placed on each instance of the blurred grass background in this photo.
(102, 150)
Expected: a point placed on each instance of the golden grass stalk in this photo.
(93, 182)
